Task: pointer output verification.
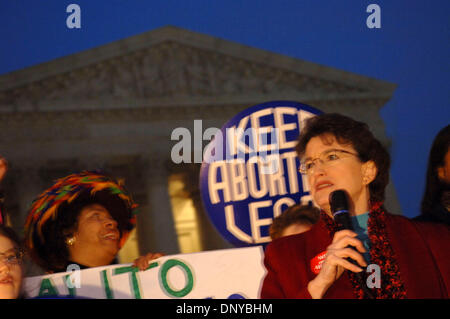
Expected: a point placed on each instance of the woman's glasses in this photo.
(326, 159)
(12, 257)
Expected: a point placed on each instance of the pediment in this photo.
(172, 64)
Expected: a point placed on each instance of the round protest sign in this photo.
(250, 172)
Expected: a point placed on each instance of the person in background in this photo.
(294, 220)
(82, 219)
(436, 199)
(410, 259)
(11, 272)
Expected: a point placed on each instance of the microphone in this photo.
(340, 210)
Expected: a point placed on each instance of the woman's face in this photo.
(97, 236)
(10, 269)
(347, 173)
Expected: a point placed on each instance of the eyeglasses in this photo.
(12, 257)
(327, 158)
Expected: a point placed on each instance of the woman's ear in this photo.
(369, 172)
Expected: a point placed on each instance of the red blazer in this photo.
(421, 249)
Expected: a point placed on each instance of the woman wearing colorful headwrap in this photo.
(82, 219)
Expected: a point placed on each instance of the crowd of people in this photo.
(85, 219)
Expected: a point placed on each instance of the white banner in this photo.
(219, 274)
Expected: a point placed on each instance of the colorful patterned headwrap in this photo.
(45, 208)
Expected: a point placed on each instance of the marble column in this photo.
(210, 237)
(156, 228)
(24, 185)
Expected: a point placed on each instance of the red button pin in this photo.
(316, 262)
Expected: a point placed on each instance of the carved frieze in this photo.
(164, 70)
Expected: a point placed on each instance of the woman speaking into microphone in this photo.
(407, 259)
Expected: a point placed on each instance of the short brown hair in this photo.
(296, 214)
(349, 131)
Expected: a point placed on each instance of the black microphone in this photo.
(340, 210)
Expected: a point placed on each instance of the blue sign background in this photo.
(240, 208)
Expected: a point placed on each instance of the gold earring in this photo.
(70, 241)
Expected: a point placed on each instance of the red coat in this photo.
(421, 249)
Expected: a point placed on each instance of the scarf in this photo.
(381, 254)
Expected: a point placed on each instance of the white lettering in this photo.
(74, 279)
(238, 179)
(373, 20)
(245, 308)
(254, 179)
(74, 19)
(283, 127)
(198, 141)
(302, 117)
(214, 185)
(214, 150)
(374, 280)
(193, 309)
(277, 185)
(231, 225)
(182, 147)
(236, 139)
(291, 165)
(256, 222)
(262, 132)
